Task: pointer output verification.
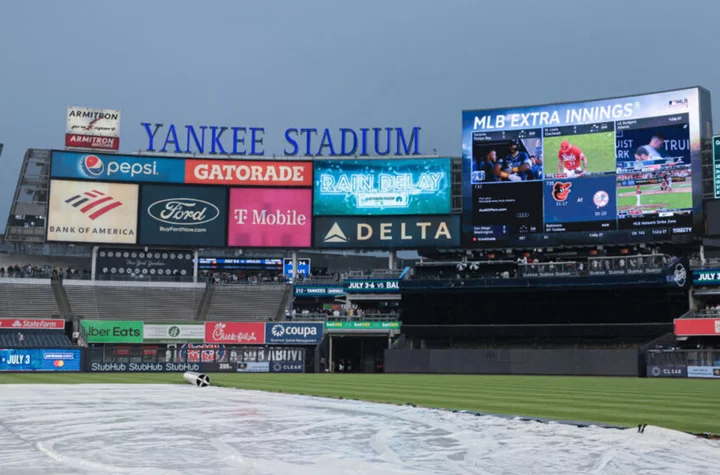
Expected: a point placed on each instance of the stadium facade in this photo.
(565, 232)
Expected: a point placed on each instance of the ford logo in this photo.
(183, 211)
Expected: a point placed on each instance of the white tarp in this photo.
(155, 429)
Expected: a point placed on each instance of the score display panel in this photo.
(603, 171)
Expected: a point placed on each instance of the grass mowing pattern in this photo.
(682, 404)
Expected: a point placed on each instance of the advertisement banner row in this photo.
(172, 215)
(32, 324)
(252, 333)
(40, 360)
(342, 187)
(249, 367)
(682, 371)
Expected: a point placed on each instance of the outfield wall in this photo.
(570, 362)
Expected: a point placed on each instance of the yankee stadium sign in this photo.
(232, 140)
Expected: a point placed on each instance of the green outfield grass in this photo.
(598, 148)
(673, 200)
(683, 404)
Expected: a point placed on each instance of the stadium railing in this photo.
(699, 357)
(384, 317)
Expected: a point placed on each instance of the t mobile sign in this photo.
(270, 217)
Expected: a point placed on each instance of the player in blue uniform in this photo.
(536, 170)
(515, 166)
(488, 166)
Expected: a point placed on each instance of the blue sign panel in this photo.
(381, 187)
(372, 286)
(183, 215)
(95, 166)
(303, 266)
(295, 333)
(39, 360)
(287, 367)
(706, 277)
(318, 290)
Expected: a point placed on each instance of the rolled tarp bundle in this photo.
(197, 379)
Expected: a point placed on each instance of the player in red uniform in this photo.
(569, 158)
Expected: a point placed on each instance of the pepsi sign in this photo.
(294, 333)
(95, 166)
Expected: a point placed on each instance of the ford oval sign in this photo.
(183, 211)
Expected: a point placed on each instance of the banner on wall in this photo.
(230, 333)
(294, 333)
(173, 333)
(32, 324)
(113, 331)
(183, 215)
(18, 359)
(270, 217)
(127, 168)
(138, 262)
(81, 211)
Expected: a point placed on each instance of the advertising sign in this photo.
(39, 360)
(130, 168)
(387, 326)
(183, 215)
(716, 165)
(167, 262)
(389, 232)
(92, 212)
(697, 326)
(270, 217)
(318, 290)
(667, 371)
(706, 277)
(102, 367)
(295, 333)
(382, 187)
(113, 331)
(32, 324)
(232, 264)
(372, 286)
(253, 367)
(235, 332)
(92, 128)
(703, 371)
(594, 171)
(303, 266)
(174, 333)
(249, 173)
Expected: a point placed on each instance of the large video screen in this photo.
(611, 170)
(381, 187)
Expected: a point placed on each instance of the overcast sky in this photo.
(280, 64)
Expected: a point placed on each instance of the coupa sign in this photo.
(342, 142)
(299, 333)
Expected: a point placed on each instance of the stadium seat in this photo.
(246, 302)
(26, 300)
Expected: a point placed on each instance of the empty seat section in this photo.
(246, 302)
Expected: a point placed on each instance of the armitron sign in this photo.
(92, 128)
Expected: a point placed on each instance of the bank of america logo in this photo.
(335, 234)
(93, 204)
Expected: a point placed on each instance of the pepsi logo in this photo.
(92, 165)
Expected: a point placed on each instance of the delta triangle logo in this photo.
(335, 234)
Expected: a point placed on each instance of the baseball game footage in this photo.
(605, 170)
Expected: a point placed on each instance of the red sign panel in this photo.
(234, 333)
(697, 326)
(90, 141)
(248, 172)
(34, 324)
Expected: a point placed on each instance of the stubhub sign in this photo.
(95, 166)
(295, 333)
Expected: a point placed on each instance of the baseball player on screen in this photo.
(569, 158)
(514, 166)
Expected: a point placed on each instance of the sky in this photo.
(323, 63)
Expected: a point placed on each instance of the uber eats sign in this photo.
(113, 331)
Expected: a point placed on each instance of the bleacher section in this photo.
(31, 298)
(34, 338)
(124, 301)
(246, 302)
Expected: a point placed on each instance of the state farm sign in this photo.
(33, 324)
(92, 128)
(248, 173)
(248, 333)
